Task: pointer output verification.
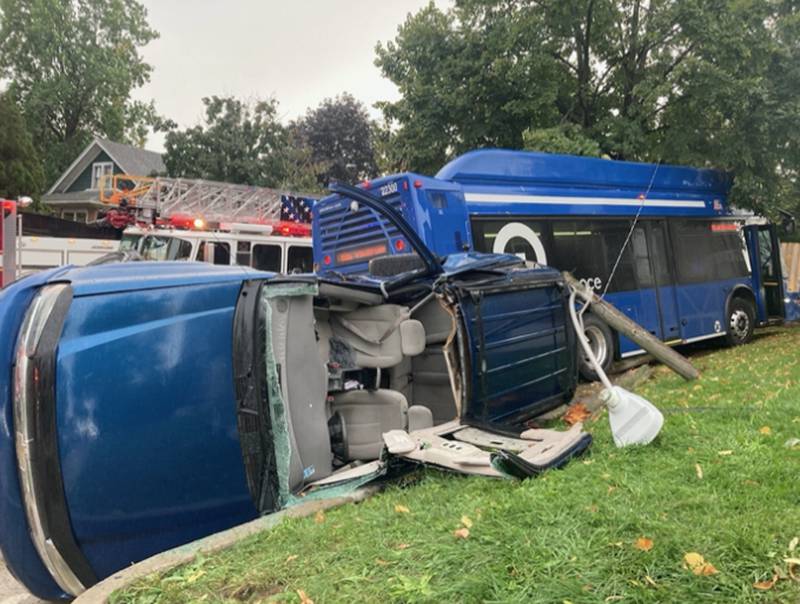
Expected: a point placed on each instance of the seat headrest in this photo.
(412, 337)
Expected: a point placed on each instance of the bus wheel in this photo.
(601, 341)
(741, 321)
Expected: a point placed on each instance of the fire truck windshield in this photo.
(130, 242)
(157, 247)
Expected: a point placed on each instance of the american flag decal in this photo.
(296, 209)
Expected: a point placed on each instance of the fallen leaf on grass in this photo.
(792, 562)
(644, 544)
(292, 557)
(461, 533)
(402, 546)
(724, 453)
(401, 509)
(698, 565)
(319, 517)
(766, 585)
(381, 562)
(765, 430)
(576, 412)
(466, 521)
(304, 599)
(699, 471)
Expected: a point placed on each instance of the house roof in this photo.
(131, 160)
(74, 197)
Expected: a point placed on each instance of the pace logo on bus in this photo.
(595, 283)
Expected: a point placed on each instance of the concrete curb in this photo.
(213, 543)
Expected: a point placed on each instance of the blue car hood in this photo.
(132, 276)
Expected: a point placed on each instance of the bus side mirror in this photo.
(788, 222)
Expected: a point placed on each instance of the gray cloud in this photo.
(299, 52)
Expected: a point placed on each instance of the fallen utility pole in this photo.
(615, 319)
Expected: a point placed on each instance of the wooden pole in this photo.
(615, 319)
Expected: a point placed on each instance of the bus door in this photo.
(765, 260)
(664, 281)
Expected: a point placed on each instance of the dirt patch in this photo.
(589, 393)
(250, 592)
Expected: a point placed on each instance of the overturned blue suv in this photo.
(145, 405)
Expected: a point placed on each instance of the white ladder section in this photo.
(205, 198)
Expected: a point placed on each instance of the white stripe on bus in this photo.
(606, 201)
(710, 336)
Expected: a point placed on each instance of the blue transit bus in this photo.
(658, 242)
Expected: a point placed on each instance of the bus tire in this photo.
(740, 321)
(601, 340)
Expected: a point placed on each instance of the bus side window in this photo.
(590, 249)
(300, 259)
(704, 254)
(267, 258)
(523, 238)
(221, 251)
(641, 259)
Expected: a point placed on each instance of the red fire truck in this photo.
(8, 241)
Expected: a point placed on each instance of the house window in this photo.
(76, 215)
(100, 169)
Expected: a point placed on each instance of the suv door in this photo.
(519, 344)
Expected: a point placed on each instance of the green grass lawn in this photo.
(718, 481)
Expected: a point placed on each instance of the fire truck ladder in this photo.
(163, 197)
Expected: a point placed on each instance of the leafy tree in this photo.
(702, 82)
(567, 138)
(72, 66)
(20, 169)
(339, 134)
(242, 143)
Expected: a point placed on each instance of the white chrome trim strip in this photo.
(565, 199)
(710, 336)
(25, 437)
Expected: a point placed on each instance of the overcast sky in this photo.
(299, 51)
